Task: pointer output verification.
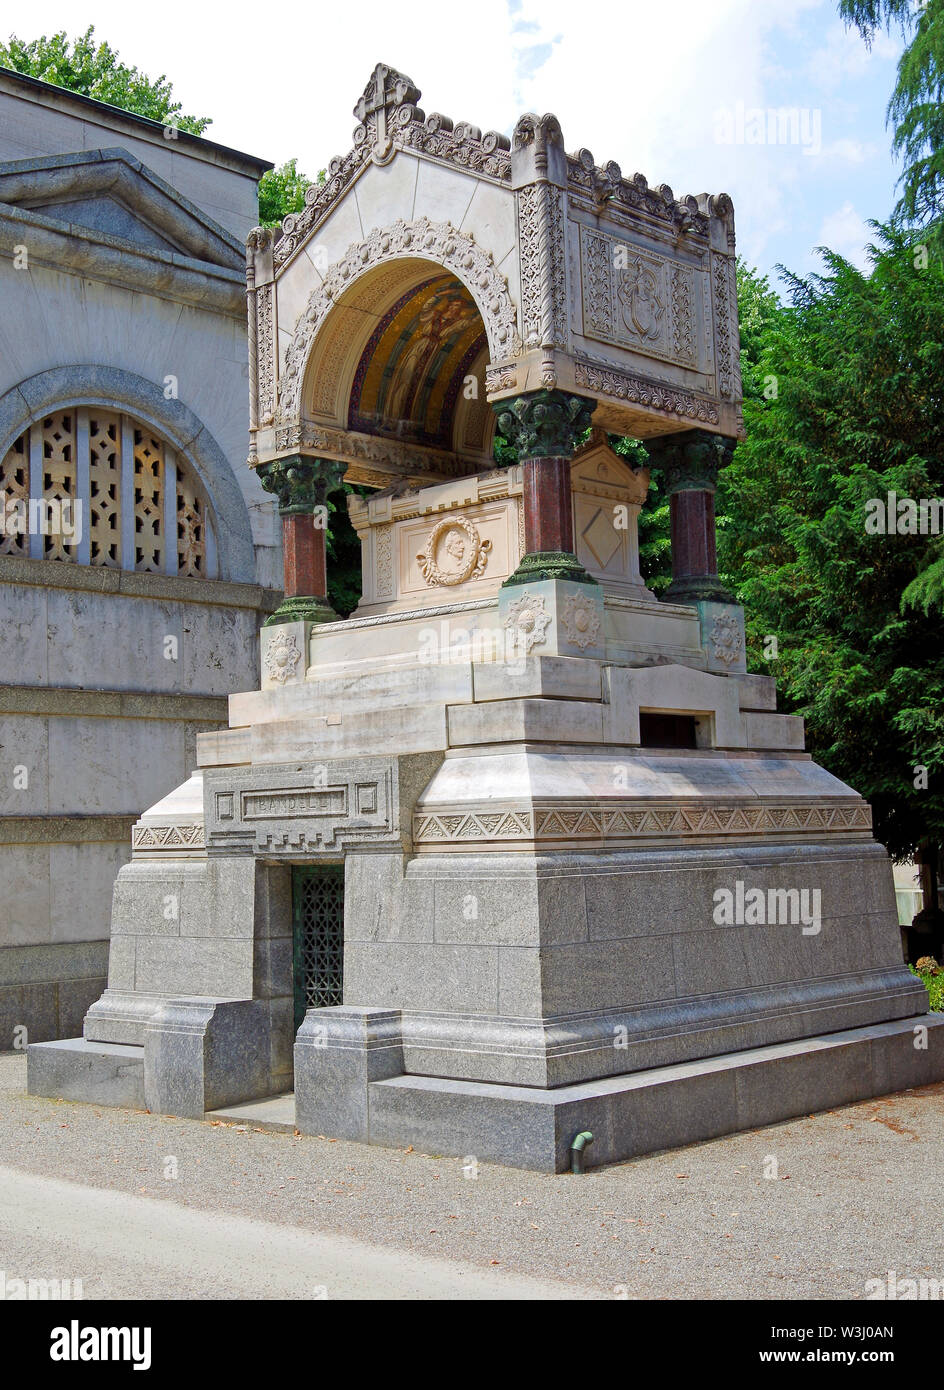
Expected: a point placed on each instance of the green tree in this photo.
(916, 108)
(282, 191)
(844, 403)
(95, 70)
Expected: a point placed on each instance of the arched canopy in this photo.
(400, 362)
(585, 281)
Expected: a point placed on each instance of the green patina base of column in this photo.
(549, 564)
(707, 590)
(302, 609)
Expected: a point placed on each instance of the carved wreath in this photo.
(528, 621)
(580, 621)
(282, 656)
(726, 640)
(469, 552)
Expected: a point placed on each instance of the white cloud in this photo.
(845, 231)
(843, 55)
(850, 151)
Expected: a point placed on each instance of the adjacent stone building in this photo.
(138, 553)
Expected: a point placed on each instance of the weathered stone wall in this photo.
(128, 295)
(79, 763)
(37, 120)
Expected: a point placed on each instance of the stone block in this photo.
(74, 1069)
(516, 721)
(421, 975)
(675, 690)
(31, 1006)
(756, 692)
(547, 677)
(283, 654)
(338, 1053)
(772, 730)
(200, 1054)
(722, 636)
(560, 617)
(529, 1127)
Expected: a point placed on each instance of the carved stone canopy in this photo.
(438, 271)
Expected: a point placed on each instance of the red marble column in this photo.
(304, 557)
(548, 506)
(692, 522)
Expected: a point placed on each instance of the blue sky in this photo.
(672, 89)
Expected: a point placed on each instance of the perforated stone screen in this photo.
(96, 487)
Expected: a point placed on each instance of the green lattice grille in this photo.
(318, 910)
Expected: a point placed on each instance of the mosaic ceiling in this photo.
(416, 362)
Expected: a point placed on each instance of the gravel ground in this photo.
(857, 1193)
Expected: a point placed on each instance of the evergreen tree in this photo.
(916, 108)
(844, 404)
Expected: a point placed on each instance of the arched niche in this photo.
(401, 358)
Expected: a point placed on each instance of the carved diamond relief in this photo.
(601, 537)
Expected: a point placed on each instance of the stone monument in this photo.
(516, 851)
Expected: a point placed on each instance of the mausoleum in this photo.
(517, 850)
(138, 554)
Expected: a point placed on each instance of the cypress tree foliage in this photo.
(844, 404)
(916, 108)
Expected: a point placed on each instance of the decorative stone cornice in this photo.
(690, 461)
(544, 424)
(300, 483)
(390, 119)
(374, 460)
(638, 390)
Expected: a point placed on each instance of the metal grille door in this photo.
(318, 928)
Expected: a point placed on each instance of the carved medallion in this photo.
(726, 640)
(454, 553)
(529, 620)
(282, 657)
(580, 620)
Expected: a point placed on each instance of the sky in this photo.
(679, 90)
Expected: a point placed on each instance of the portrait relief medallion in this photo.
(454, 553)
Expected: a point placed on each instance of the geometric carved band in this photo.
(635, 821)
(168, 839)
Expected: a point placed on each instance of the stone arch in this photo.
(438, 244)
(110, 388)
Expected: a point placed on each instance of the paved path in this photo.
(119, 1244)
(850, 1195)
